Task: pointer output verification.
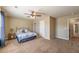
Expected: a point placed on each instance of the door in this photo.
(42, 28)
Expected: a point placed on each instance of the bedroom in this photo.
(50, 28)
(30, 22)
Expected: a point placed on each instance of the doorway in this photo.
(74, 29)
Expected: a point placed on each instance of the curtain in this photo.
(2, 41)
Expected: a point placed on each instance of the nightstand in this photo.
(11, 36)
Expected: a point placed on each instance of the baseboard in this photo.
(61, 38)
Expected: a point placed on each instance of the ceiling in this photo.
(55, 11)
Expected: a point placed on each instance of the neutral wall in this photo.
(14, 23)
(6, 25)
(62, 26)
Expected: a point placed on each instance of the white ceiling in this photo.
(55, 11)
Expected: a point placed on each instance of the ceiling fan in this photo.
(34, 14)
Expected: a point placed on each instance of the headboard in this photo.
(19, 29)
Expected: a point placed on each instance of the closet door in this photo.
(2, 41)
(42, 28)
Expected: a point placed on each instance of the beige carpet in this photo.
(41, 45)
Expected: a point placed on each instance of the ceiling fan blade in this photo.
(40, 13)
(30, 10)
(27, 14)
(36, 15)
(37, 12)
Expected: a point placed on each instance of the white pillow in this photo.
(19, 31)
(26, 30)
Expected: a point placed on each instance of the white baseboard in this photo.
(62, 38)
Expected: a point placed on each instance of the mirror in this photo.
(76, 29)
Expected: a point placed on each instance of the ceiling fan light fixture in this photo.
(34, 13)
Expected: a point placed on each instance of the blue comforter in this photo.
(25, 36)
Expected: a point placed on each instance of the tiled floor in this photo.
(41, 45)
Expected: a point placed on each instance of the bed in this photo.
(23, 35)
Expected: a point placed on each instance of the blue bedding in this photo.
(22, 37)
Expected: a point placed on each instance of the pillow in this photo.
(23, 31)
(19, 31)
(26, 30)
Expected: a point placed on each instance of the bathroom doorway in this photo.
(74, 29)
